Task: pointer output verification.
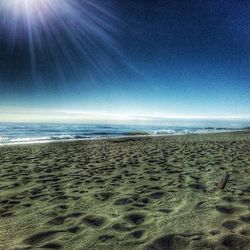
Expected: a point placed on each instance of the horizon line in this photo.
(10, 114)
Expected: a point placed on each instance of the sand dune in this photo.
(134, 193)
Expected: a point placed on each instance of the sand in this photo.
(136, 193)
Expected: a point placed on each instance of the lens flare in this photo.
(31, 10)
(62, 36)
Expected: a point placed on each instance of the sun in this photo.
(29, 10)
(59, 37)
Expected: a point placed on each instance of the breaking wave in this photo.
(12, 133)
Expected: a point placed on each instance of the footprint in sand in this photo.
(59, 220)
(137, 234)
(39, 237)
(245, 232)
(52, 245)
(245, 218)
(122, 227)
(173, 242)
(231, 224)
(74, 230)
(123, 201)
(157, 195)
(104, 196)
(135, 218)
(226, 208)
(235, 242)
(94, 220)
(105, 237)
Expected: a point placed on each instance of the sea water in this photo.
(22, 133)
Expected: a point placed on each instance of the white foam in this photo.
(164, 131)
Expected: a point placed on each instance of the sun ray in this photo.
(61, 33)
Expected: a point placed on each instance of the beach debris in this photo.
(223, 181)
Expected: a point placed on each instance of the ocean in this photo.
(23, 133)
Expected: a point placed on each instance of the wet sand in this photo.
(135, 193)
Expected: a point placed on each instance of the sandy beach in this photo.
(132, 193)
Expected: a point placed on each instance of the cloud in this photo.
(10, 114)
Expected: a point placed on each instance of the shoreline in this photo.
(118, 137)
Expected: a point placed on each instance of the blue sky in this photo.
(144, 57)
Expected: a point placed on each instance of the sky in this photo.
(124, 58)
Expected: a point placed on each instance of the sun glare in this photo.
(84, 26)
(29, 10)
